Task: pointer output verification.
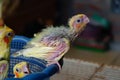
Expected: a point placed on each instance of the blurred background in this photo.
(102, 33)
(100, 42)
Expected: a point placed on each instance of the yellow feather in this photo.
(37, 52)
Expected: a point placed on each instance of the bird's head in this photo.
(78, 22)
(21, 69)
(6, 35)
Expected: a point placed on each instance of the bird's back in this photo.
(53, 33)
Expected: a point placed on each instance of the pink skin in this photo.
(2, 67)
(58, 44)
(60, 48)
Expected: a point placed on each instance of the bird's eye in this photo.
(79, 20)
(17, 70)
(10, 34)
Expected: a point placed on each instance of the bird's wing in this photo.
(62, 47)
(52, 51)
(36, 52)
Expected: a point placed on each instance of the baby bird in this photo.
(21, 69)
(54, 42)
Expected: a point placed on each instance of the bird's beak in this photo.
(16, 74)
(26, 70)
(86, 19)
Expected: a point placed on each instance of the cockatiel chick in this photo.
(6, 35)
(53, 42)
(21, 69)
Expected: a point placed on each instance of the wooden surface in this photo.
(108, 57)
(75, 69)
